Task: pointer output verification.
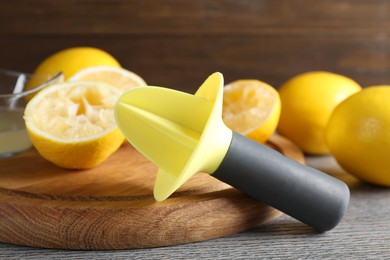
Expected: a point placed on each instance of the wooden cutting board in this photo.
(112, 206)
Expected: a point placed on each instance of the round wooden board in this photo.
(112, 206)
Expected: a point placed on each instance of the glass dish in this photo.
(13, 99)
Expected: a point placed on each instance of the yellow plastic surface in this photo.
(181, 133)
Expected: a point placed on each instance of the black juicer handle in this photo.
(302, 192)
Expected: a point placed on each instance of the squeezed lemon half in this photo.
(72, 124)
(251, 108)
(117, 77)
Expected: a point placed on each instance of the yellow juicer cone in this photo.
(181, 133)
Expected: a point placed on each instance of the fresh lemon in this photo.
(251, 108)
(72, 60)
(118, 77)
(358, 135)
(308, 100)
(72, 124)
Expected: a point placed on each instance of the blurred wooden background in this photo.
(178, 43)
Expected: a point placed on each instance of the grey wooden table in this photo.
(364, 233)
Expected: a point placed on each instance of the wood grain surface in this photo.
(178, 43)
(112, 206)
(362, 234)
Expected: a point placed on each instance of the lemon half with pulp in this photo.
(251, 108)
(72, 124)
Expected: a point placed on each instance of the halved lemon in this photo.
(118, 77)
(251, 108)
(72, 124)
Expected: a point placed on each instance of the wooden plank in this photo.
(362, 234)
(178, 17)
(185, 63)
(178, 43)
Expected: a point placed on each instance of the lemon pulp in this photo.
(72, 124)
(251, 108)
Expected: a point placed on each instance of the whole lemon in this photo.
(70, 61)
(358, 135)
(308, 100)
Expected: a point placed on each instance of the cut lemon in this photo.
(118, 77)
(251, 108)
(72, 124)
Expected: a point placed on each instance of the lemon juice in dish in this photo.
(14, 96)
(13, 135)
